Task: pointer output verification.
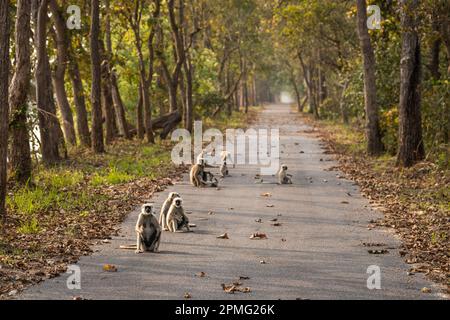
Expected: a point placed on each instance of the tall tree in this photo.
(108, 103)
(374, 144)
(79, 100)
(4, 106)
(49, 127)
(97, 126)
(20, 156)
(134, 20)
(115, 93)
(172, 78)
(119, 107)
(60, 72)
(411, 148)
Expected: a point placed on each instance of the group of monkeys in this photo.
(201, 178)
(172, 216)
(148, 228)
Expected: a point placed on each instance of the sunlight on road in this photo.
(285, 97)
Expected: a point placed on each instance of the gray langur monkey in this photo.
(226, 156)
(176, 219)
(210, 180)
(224, 169)
(165, 208)
(196, 173)
(148, 230)
(283, 176)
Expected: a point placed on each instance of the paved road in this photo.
(322, 256)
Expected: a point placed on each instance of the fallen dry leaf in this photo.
(223, 236)
(258, 236)
(235, 287)
(373, 244)
(187, 295)
(382, 251)
(426, 290)
(270, 205)
(109, 268)
(277, 224)
(266, 194)
(344, 202)
(78, 298)
(201, 274)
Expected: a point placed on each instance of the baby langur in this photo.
(209, 179)
(165, 208)
(283, 176)
(148, 230)
(224, 169)
(176, 219)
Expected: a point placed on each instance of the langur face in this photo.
(148, 209)
(285, 168)
(178, 202)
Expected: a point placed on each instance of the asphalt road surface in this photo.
(316, 252)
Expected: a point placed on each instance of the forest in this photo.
(90, 92)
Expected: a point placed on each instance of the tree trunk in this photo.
(108, 105)
(411, 148)
(140, 115)
(374, 144)
(147, 110)
(434, 64)
(297, 95)
(307, 76)
(342, 107)
(167, 123)
(255, 91)
(4, 106)
(20, 156)
(237, 104)
(189, 92)
(97, 127)
(230, 101)
(80, 102)
(59, 73)
(435, 50)
(246, 102)
(119, 107)
(144, 86)
(49, 127)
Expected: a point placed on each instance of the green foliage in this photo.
(59, 178)
(30, 226)
(111, 177)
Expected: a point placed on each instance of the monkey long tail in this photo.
(128, 247)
